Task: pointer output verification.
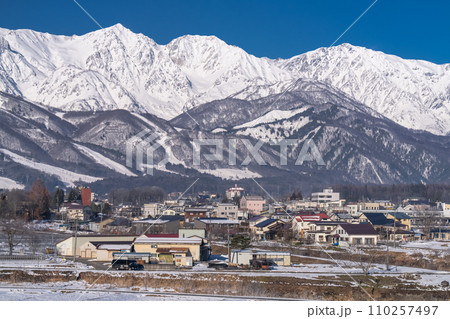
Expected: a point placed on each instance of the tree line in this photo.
(395, 192)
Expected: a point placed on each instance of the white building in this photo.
(230, 211)
(151, 210)
(234, 192)
(355, 234)
(327, 195)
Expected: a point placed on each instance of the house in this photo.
(256, 219)
(128, 209)
(320, 231)
(353, 209)
(74, 211)
(355, 234)
(98, 224)
(226, 210)
(267, 229)
(401, 218)
(301, 223)
(217, 227)
(198, 247)
(120, 225)
(161, 225)
(401, 235)
(371, 206)
(254, 204)
(342, 217)
(381, 223)
(440, 234)
(243, 257)
(192, 213)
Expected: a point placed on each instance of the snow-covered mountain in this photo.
(114, 68)
(358, 145)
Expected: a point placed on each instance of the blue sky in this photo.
(278, 28)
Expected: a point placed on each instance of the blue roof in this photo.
(255, 218)
(400, 215)
(267, 222)
(379, 219)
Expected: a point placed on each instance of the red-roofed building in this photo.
(161, 235)
(302, 223)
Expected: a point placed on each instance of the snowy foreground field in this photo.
(309, 278)
(74, 291)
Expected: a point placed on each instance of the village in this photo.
(236, 232)
(179, 232)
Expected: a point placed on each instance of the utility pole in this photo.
(75, 244)
(395, 229)
(101, 217)
(387, 249)
(229, 252)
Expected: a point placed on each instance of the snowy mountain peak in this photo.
(114, 68)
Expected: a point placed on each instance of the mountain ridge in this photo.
(115, 68)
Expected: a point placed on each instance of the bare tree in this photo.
(14, 231)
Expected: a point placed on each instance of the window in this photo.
(357, 241)
(369, 241)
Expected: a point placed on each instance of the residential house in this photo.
(256, 219)
(226, 210)
(74, 211)
(440, 234)
(267, 229)
(192, 213)
(355, 234)
(401, 218)
(161, 225)
(382, 224)
(320, 231)
(301, 223)
(98, 225)
(129, 209)
(341, 216)
(217, 227)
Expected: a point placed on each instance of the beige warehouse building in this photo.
(196, 246)
(66, 247)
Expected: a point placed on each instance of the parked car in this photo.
(136, 266)
(217, 264)
(124, 264)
